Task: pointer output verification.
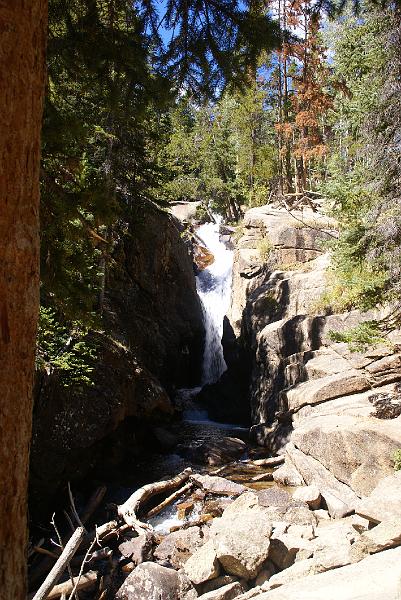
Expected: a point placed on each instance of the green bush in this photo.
(361, 337)
(64, 348)
(265, 248)
(397, 460)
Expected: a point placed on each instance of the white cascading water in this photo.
(214, 289)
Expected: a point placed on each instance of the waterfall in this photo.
(214, 289)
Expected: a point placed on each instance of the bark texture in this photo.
(22, 68)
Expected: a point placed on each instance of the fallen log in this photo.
(64, 589)
(169, 500)
(129, 510)
(61, 564)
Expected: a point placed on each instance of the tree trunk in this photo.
(22, 67)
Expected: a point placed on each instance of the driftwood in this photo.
(263, 477)
(204, 519)
(273, 461)
(65, 588)
(62, 562)
(169, 500)
(128, 511)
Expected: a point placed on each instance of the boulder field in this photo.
(268, 544)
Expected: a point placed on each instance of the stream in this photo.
(195, 429)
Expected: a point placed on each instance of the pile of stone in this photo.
(270, 545)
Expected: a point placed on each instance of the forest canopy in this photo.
(227, 103)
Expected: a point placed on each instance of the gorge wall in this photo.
(339, 411)
(152, 343)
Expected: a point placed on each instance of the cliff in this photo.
(338, 407)
(152, 343)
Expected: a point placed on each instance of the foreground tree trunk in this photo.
(22, 67)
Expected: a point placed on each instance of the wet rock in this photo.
(203, 564)
(150, 581)
(184, 509)
(177, 547)
(384, 503)
(263, 477)
(228, 592)
(139, 549)
(216, 507)
(309, 494)
(203, 258)
(216, 453)
(217, 485)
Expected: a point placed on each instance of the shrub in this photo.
(265, 248)
(397, 460)
(64, 348)
(361, 337)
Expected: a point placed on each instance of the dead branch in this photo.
(46, 552)
(128, 511)
(74, 510)
(62, 562)
(81, 571)
(65, 588)
(198, 523)
(169, 500)
(62, 544)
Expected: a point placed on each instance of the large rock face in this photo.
(374, 578)
(152, 300)
(341, 409)
(153, 342)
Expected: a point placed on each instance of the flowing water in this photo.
(214, 289)
(195, 428)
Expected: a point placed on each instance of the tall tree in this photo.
(22, 67)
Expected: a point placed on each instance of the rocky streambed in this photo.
(308, 505)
